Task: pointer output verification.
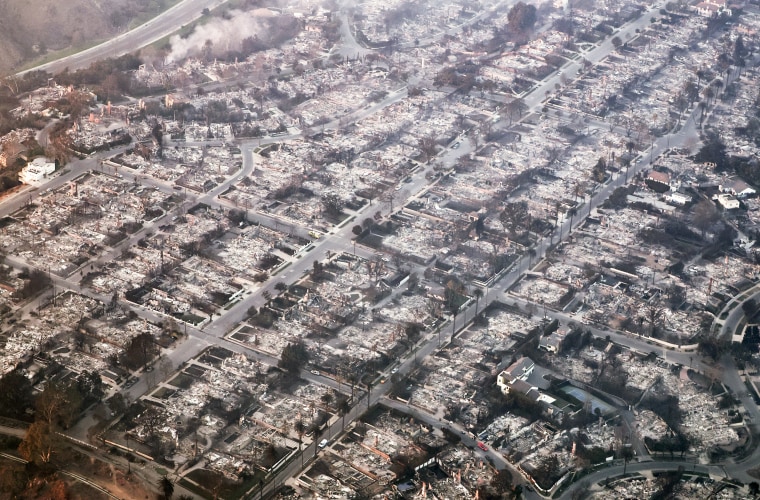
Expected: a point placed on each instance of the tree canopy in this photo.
(521, 17)
(294, 357)
(15, 394)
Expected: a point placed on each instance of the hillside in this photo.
(26, 33)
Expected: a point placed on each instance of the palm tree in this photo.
(595, 186)
(300, 429)
(702, 107)
(754, 488)
(700, 75)
(572, 212)
(316, 430)
(327, 398)
(477, 293)
(343, 408)
(167, 487)
(353, 377)
(708, 93)
(578, 189)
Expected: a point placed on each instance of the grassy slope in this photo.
(62, 26)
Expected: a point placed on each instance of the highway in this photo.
(181, 14)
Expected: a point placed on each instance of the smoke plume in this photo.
(219, 36)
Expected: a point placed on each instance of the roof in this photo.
(520, 367)
(737, 185)
(660, 177)
(521, 386)
(553, 340)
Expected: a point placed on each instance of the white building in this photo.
(37, 170)
(712, 8)
(737, 187)
(519, 370)
(678, 198)
(727, 201)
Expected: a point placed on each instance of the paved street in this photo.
(157, 28)
(340, 239)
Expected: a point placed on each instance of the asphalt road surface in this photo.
(157, 28)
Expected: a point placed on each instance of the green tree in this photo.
(412, 331)
(749, 307)
(300, 428)
(294, 357)
(140, 350)
(713, 150)
(514, 217)
(344, 407)
(327, 398)
(705, 216)
(90, 387)
(691, 91)
(15, 394)
(712, 347)
(332, 204)
(600, 170)
(316, 431)
(547, 469)
(754, 488)
(167, 487)
(516, 107)
(521, 17)
(477, 293)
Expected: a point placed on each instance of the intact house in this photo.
(727, 201)
(520, 370)
(37, 170)
(713, 8)
(736, 187)
(679, 197)
(661, 178)
(515, 378)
